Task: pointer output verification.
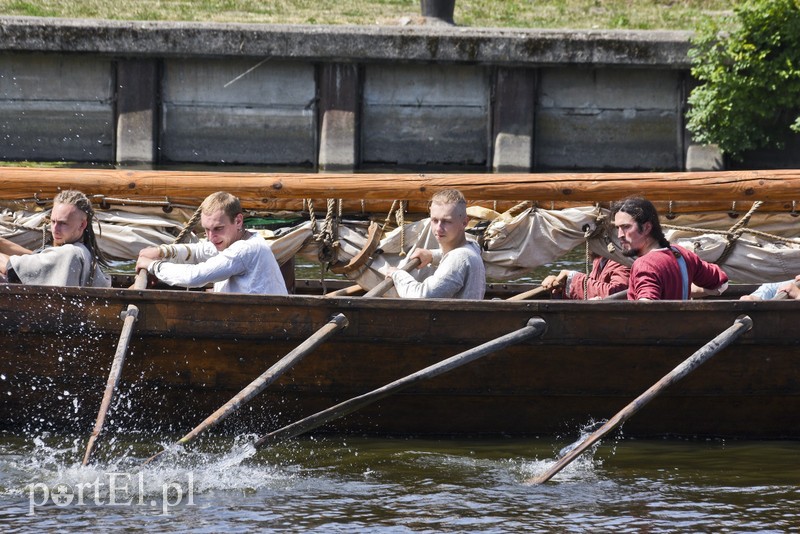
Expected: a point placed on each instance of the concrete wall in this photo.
(56, 107)
(342, 98)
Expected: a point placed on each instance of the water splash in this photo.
(582, 469)
(54, 464)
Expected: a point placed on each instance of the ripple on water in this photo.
(419, 485)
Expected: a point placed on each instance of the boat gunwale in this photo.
(467, 305)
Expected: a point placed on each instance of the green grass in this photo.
(572, 14)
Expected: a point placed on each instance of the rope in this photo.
(137, 202)
(401, 223)
(187, 227)
(326, 237)
(735, 232)
(587, 233)
(389, 215)
(312, 216)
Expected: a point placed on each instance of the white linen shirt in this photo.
(460, 275)
(247, 266)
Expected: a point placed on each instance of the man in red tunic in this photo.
(661, 271)
(607, 277)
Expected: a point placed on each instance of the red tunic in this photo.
(657, 275)
(607, 277)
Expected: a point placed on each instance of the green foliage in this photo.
(749, 95)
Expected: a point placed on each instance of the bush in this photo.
(749, 95)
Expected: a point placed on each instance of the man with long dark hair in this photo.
(73, 260)
(661, 271)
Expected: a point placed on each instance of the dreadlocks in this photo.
(79, 200)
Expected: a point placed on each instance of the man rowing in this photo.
(74, 259)
(606, 278)
(235, 260)
(661, 271)
(459, 267)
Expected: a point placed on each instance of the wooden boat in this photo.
(191, 351)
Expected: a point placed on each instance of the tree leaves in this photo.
(749, 92)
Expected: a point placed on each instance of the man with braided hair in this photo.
(235, 260)
(73, 260)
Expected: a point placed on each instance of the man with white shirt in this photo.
(460, 272)
(235, 260)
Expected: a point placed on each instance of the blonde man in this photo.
(235, 260)
(73, 260)
(460, 272)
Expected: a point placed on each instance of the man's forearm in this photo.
(9, 248)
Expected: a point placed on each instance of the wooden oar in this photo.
(529, 294)
(741, 325)
(337, 323)
(384, 286)
(345, 291)
(783, 293)
(129, 316)
(557, 284)
(619, 295)
(535, 327)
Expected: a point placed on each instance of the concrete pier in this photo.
(342, 98)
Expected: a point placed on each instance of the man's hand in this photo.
(792, 289)
(555, 283)
(750, 297)
(425, 256)
(146, 257)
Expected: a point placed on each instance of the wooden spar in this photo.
(765, 185)
(741, 325)
(130, 315)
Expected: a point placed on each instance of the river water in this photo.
(344, 484)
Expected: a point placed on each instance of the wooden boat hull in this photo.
(192, 351)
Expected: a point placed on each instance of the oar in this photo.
(534, 328)
(530, 293)
(741, 325)
(619, 295)
(129, 317)
(345, 291)
(339, 322)
(384, 286)
(783, 293)
(557, 283)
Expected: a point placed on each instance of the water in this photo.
(344, 484)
